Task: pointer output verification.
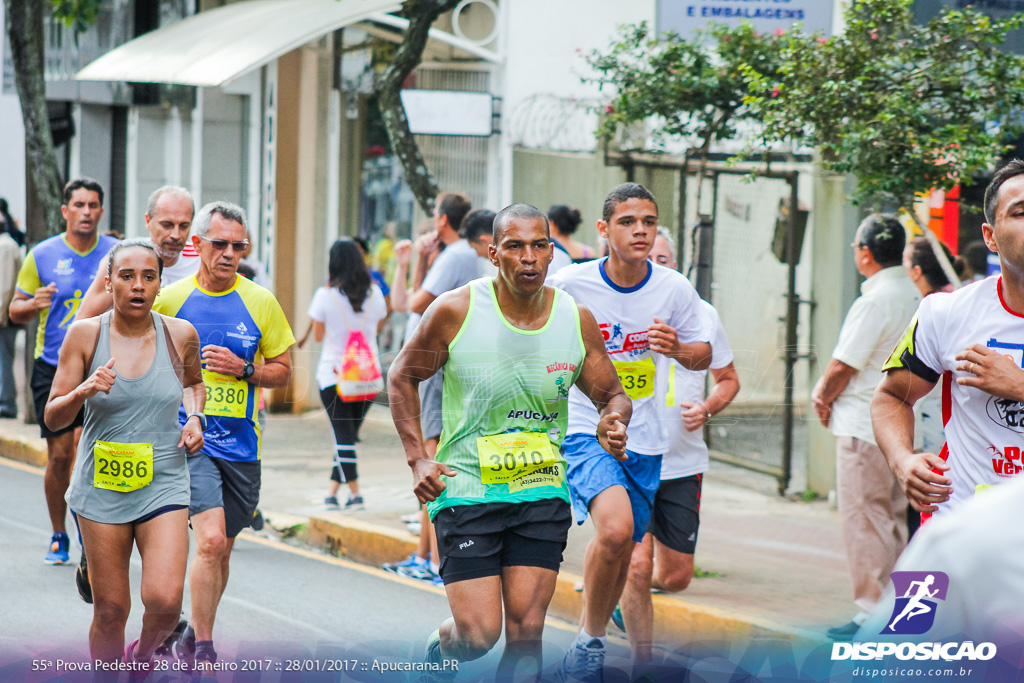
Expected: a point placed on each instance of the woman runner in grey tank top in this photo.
(131, 369)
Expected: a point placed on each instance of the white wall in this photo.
(12, 145)
(546, 43)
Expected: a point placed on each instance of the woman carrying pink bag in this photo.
(349, 313)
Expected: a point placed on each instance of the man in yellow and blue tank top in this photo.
(245, 341)
(51, 282)
(511, 348)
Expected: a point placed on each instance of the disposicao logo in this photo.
(914, 612)
(917, 600)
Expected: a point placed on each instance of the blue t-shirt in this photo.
(54, 260)
(247, 320)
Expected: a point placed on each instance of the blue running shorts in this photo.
(593, 470)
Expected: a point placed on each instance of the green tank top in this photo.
(505, 404)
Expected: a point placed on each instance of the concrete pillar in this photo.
(301, 217)
(835, 284)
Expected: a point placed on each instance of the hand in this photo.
(923, 487)
(821, 409)
(611, 434)
(694, 415)
(220, 360)
(427, 244)
(990, 371)
(192, 436)
(663, 338)
(43, 297)
(101, 380)
(403, 253)
(426, 479)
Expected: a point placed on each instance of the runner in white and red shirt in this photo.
(973, 339)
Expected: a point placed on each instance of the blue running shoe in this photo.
(617, 618)
(59, 544)
(584, 662)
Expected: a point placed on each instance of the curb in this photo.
(674, 619)
(29, 451)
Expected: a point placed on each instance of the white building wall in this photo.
(12, 141)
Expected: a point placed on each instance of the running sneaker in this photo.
(434, 658)
(59, 544)
(166, 648)
(185, 646)
(82, 581)
(438, 581)
(584, 662)
(206, 657)
(354, 503)
(421, 572)
(617, 618)
(257, 521)
(139, 669)
(413, 560)
(332, 503)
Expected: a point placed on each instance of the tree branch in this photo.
(25, 20)
(421, 15)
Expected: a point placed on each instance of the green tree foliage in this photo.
(76, 14)
(695, 89)
(903, 107)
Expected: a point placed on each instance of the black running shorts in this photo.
(676, 516)
(478, 540)
(42, 380)
(220, 483)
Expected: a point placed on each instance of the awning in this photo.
(213, 47)
(394, 26)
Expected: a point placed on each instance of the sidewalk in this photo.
(780, 564)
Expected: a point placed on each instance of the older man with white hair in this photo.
(169, 213)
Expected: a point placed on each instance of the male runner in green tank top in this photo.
(510, 348)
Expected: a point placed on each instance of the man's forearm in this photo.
(22, 310)
(619, 403)
(271, 375)
(399, 291)
(893, 423)
(694, 356)
(404, 398)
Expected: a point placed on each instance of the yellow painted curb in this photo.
(30, 451)
(360, 541)
(675, 620)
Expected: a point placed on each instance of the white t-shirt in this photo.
(984, 434)
(871, 329)
(332, 308)
(624, 315)
(454, 267)
(981, 550)
(184, 267)
(559, 260)
(687, 453)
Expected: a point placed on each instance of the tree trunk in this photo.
(25, 20)
(421, 14)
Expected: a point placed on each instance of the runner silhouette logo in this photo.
(917, 594)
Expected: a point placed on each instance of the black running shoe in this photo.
(185, 646)
(166, 649)
(82, 581)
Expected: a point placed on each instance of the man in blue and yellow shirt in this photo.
(52, 280)
(244, 339)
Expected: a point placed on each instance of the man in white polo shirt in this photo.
(871, 506)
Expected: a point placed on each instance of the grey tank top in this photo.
(141, 410)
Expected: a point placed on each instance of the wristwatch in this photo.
(707, 411)
(248, 370)
(202, 419)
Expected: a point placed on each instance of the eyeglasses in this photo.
(857, 245)
(221, 245)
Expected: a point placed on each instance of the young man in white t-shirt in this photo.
(665, 557)
(648, 315)
(973, 338)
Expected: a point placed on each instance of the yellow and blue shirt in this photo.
(247, 320)
(54, 260)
